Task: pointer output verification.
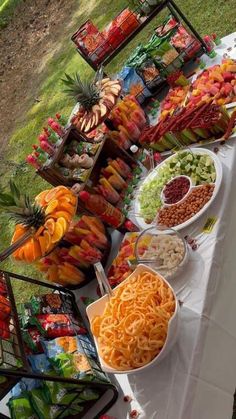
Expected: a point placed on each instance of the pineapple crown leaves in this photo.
(86, 93)
(19, 208)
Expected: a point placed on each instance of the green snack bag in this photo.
(88, 394)
(20, 408)
(57, 393)
(72, 365)
(44, 410)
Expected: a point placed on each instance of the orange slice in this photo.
(43, 244)
(48, 238)
(19, 231)
(63, 223)
(58, 233)
(54, 193)
(51, 206)
(28, 251)
(16, 254)
(65, 206)
(39, 231)
(50, 225)
(63, 214)
(40, 198)
(21, 254)
(36, 249)
(73, 199)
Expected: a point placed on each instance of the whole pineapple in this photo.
(20, 209)
(96, 99)
(86, 93)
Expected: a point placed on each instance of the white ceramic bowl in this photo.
(97, 309)
(154, 175)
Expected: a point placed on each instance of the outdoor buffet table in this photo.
(198, 378)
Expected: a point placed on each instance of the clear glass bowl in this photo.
(163, 249)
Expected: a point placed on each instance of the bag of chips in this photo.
(133, 84)
(57, 325)
(57, 393)
(50, 304)
(32, 340)
(72, 365)
(20, 407)
(68, 344)
(45, 410)
(39, 363)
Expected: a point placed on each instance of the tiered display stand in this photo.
(14, 364)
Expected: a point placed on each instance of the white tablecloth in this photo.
(198, 378)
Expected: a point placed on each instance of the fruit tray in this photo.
(205, 172)
(14, 359)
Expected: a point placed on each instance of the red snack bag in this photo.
(59, 325)
(3, 287)
(4, 329)
(5, 308)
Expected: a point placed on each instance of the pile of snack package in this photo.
(96, 44)
(57, 344)
(165, 52)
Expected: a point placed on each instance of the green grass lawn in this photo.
(216, 16)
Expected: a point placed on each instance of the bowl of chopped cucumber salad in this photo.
(202, 166)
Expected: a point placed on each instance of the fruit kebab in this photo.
(109, 214)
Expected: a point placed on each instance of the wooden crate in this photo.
(108, 149)
(50, 172)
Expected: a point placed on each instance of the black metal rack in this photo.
(174, 10)
(14, 364)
